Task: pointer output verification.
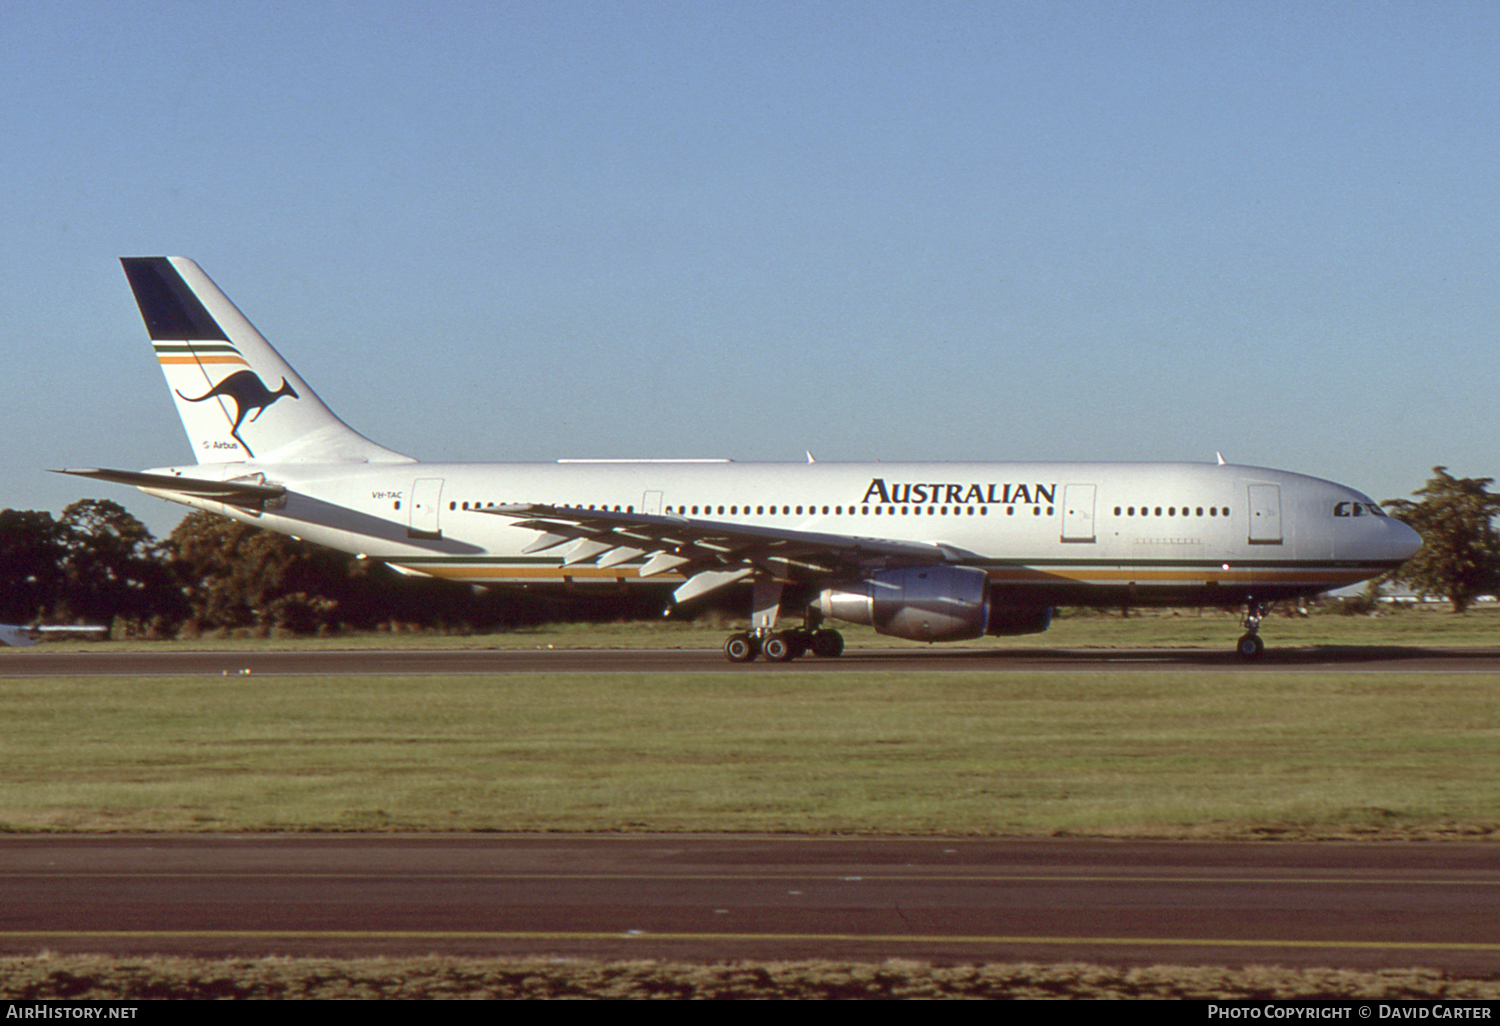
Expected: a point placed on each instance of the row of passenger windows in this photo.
(932, 511)
(839, 511)
(761, 511)
(482, 505)
(1171, 511)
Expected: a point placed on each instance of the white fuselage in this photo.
(1044, 533)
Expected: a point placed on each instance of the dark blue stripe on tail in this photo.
(169, 308)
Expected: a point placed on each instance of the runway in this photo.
(710, 897)
(38, 662)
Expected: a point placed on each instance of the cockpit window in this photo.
(1358, 509)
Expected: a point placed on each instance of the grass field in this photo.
(83, 977)
(1179, 754)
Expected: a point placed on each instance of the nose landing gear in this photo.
(1250, 645)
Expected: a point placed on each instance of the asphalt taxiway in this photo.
(39, 662)
(714, 897)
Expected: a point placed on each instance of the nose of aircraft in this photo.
(1402, 540)
(1393, 543)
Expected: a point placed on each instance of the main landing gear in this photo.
(784, 646)
(763, 639)
(1250, 645)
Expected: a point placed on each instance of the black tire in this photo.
(1249, 647)
(827, 644)
(741, 648)
(779, 648)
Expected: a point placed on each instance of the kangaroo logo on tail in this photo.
(249, 393)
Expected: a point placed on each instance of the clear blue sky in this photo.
(947, 230)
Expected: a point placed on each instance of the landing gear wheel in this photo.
(779, 648)
(742, 648)
(1249, 647)
(827, 644)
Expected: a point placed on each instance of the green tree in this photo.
(31, 554)
(1460, 554)
(111, 567)
(236, 575)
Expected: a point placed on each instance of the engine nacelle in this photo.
(922, 603)
(1008, 620)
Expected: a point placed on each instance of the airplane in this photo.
(18, 636)
(934, 552)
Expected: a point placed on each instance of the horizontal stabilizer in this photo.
(236, 493)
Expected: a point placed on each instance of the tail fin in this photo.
(238, 399)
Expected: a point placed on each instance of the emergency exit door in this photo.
(1078, 513)
(1265, 514)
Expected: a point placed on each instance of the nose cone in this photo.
(1400, 541)
(1382, 542)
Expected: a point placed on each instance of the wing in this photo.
(712, 554)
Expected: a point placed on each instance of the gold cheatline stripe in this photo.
(550, 572)
(203, 359)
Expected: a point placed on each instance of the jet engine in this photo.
(921, 603)
(1008, 620)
